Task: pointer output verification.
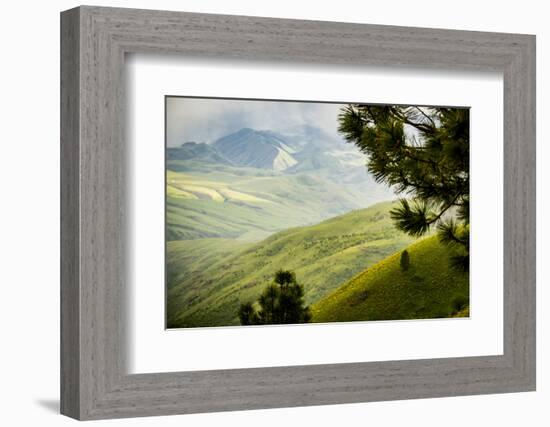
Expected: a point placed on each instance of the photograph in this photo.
(292, 212)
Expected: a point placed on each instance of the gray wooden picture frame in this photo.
(94, 41)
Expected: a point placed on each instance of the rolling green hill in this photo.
(430, 288)
(209, 278)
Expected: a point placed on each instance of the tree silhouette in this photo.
(405, 260)
(422, 152)
(247, 314)
(281, 302)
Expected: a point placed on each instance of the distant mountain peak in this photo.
(244, 131)
(302, 148)
(256, 148)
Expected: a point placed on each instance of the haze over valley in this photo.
(251, 183)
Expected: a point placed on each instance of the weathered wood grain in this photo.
(70, 220)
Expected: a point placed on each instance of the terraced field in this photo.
(220, 201)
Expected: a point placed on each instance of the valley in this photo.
(209, 278)
(233, 219)
(229, 190)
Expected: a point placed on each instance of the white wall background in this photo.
(29, 224)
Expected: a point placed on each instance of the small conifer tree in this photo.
(281, 302)
(405, 260)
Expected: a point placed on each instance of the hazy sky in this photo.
(205, 120)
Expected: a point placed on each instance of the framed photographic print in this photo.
(276, 220)
(262, 213)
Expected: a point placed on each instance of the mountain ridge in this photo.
(304, 149)
(196, 151)
(254, 148)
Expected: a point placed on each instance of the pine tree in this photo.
(423, 153)
(247, 314)
(405, 260)
(281, 302)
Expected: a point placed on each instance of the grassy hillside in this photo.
(209, 278)
(429, 289)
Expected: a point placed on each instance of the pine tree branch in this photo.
(445, 209)
(425, 115)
